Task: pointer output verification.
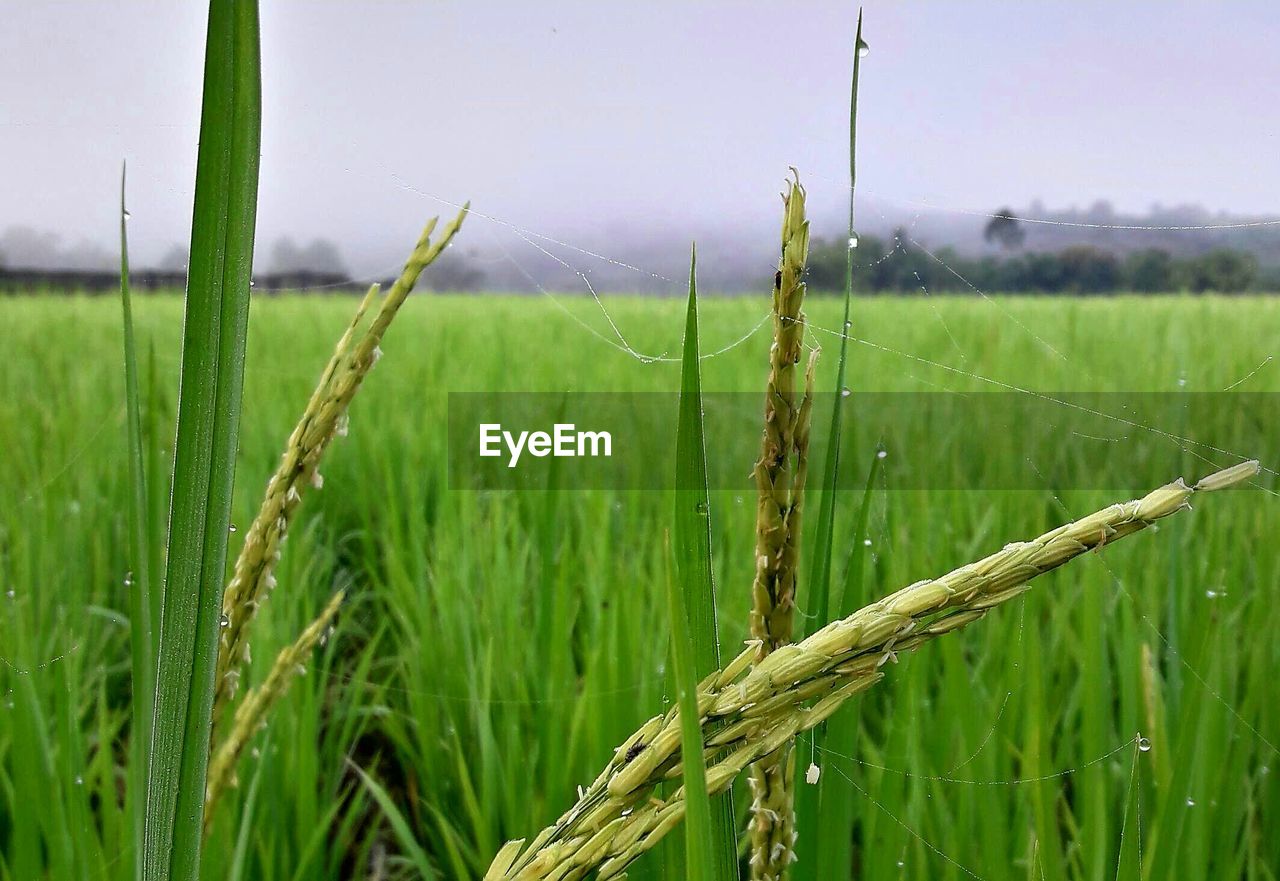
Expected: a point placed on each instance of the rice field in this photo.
(1119, 721)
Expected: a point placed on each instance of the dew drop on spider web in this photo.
(1144, 745)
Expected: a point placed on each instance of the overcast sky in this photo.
(585, 120)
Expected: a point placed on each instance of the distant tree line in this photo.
(900, 266)
(36, 261)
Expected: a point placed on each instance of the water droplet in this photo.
(866, 542)
(845, 392)
(863, 48)
(231, 528)
(701, 508)
(853, 242)
(10, 593)
(1144, 745)
(79, 779)
(1214, 594)
(1191, 802)
(127, 215)
(253, 283)
(224, 621)
(128, 579)
(848, 325)
(882, 454)
(901, 863)
(1182, 381)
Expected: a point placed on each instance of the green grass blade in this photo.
(834, 844)
(710, 840)
(217, 305)
(138, 583)
(244, 834)
(820, 572)
(409, 846)
(809, 822)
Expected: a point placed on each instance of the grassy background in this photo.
(498, 646)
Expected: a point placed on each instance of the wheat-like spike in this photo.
(779, 493)
(324, 418)
(751, 712)
(251, 712)
(780, 477)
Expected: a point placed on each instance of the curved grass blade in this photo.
(217, 305)
(710, 840)
(809, 821)
(413, 852)
(138, 581)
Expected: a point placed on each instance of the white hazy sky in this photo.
(585, 119)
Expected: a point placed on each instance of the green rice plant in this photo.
(820, 577)
(780, 478)
(711, 839)
(811, 824)
(142, 605)
(832, 838)
(700, 858)
(750, 711)
(252, 711)
(217, 307)
(443, 585)
(323, 419)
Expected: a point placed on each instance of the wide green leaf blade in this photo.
(710, 836)
(212, 373)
